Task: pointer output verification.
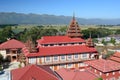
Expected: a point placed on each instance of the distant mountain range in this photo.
(21, 18)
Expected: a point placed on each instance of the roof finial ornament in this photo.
(73, 15)
(90, 35)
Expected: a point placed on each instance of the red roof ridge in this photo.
(26, 71)
(46, 71)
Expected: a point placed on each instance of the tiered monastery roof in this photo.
(74, 29)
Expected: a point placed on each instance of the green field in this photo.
(83, 27)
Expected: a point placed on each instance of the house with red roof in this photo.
(106, 68)
(11, 48)
(34, 72)
(69, 51)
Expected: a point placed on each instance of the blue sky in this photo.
(82, 8)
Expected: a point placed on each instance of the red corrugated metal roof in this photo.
(59, 50)
(11, 44)
(33, 72)
(104, 65)
(67, 74)
(58, 39)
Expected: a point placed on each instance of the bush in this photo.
(99, 79)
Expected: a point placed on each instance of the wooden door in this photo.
(76, 65)
(40, 61)
(55, 68)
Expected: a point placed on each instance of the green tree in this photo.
(6, 33)
(1, 59)
(113, 41)
(104, 42)
(102, 32)
(117, 31)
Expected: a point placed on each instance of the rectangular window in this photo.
(84, 56)
(55, 58)
(7, 51)
(69, 65)
(63, 57)
(69, 57)
(32, 60)
(76, 56)
(47, 58)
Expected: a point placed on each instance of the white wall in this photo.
(62, 66)
(82, 64)
(42, 59)
(3, 52)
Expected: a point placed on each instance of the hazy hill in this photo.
(20, 18)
